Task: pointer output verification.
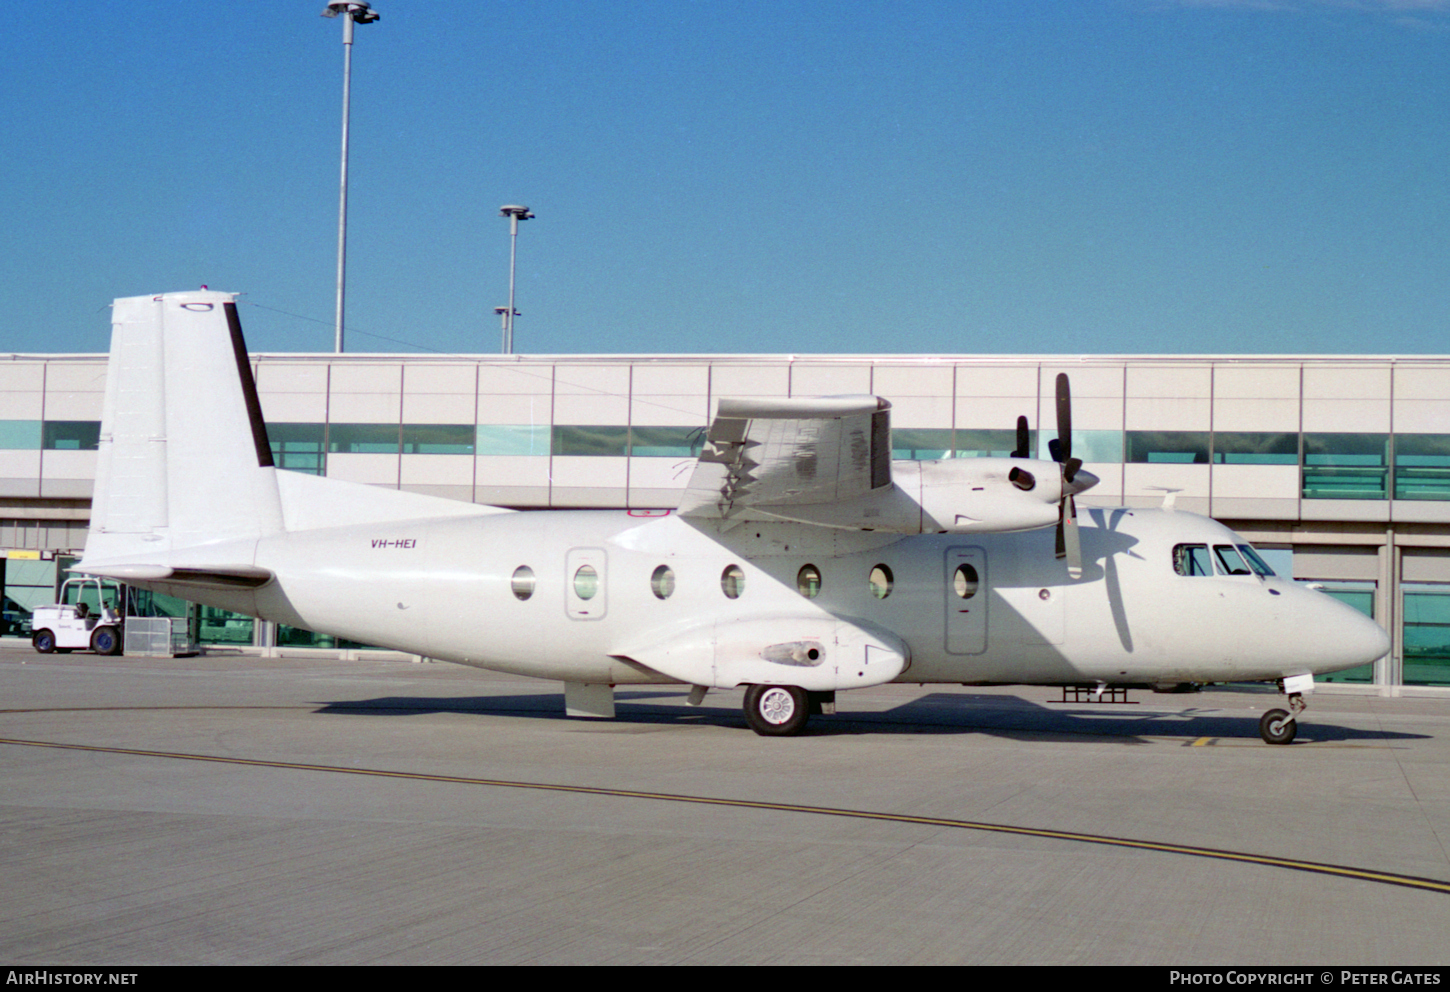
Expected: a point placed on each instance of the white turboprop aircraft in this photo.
(802, 561)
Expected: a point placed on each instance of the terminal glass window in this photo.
(71, 435)
(1359, 595)
(1422, 466)
(1242, 448)
(363, 439)
(594, 442)
(19, 435)
(214, 626)
(1180, 447)
(1427, 634)
(438, 439)
(299, 447)
(512, 439)
(1345, 466)
(1091, 446)
(922, 444)
(666, 442)
(978, 443)
(298, 637)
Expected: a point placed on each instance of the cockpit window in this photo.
(1255, 562)
(1192, 559)
(1230, 562)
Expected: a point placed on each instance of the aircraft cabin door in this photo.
(585, 573)
(966, 600)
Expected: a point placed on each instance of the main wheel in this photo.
(776, 710)
(105, 641)
(43, 641)
(1276, 727)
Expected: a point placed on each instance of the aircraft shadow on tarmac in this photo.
(935, 713)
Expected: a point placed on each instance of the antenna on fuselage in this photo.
(1170, 496)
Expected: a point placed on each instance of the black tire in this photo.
(776, 710)
(104, 640)
(1275, 727)
(43, 641)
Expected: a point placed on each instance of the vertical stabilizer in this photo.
(184, 458)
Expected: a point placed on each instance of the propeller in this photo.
(1024, 438)
(1068, 545)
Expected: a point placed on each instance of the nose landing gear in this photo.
(1280, 726)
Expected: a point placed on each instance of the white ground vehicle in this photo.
(88, 617)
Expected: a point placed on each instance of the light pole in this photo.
(514, 213)
(353, 12)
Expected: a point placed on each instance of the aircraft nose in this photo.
(1346, 637)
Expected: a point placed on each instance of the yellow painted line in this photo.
(1202, 742)
(1293, 864)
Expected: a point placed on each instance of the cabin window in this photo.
(1230, 562)
(586, 582)
(1192, 559)
(882, 581)
(965, 582)
(808, 581)
(522, 582)
(662, 582)
(732, 581)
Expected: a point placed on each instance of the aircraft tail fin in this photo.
(184, 458)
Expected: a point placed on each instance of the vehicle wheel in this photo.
(1275, 727)
(43, 641)
(105, 641)
(776, 710)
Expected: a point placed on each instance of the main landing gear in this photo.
(1280, 726)
(782, 710)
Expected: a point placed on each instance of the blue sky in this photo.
(1024, 176)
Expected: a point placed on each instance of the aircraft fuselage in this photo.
(446, 588)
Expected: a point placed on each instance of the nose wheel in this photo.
(1280, 726)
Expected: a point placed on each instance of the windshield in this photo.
(1258, 564)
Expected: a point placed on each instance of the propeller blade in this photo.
(1071, 543)
(1069, 469)
(1064, 416)
(1054, 448)
(1023, 439)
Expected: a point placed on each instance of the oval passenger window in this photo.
(732, 581)
(586, 582)
(965, 581)
(523, 582)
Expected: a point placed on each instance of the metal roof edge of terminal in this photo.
(761, 358)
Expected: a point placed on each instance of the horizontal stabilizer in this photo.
(211, 576)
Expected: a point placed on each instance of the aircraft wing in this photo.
(765, 453)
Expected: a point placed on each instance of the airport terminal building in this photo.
(1338, 468)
